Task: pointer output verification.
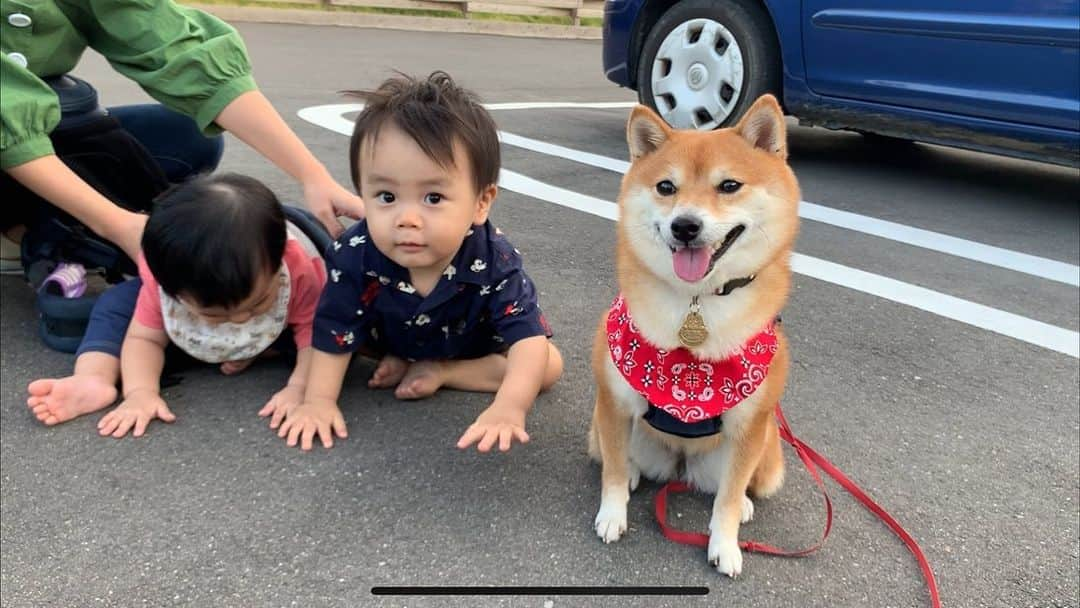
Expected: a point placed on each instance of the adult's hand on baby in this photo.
(310, 419)
(282, 403)
(495, 424)
(327, 200)
(137, 410)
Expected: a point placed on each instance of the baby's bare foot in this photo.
(56, 400)
(421, 380)
(389, 372)
(230, 368)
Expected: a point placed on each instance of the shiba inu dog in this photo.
(690, 361)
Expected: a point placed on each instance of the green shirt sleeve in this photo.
(188, 60)
(29, 110)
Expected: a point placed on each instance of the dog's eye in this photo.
(728, 186)
(665, 188)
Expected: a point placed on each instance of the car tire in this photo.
(714, 88)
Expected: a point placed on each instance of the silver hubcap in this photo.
(697, 76)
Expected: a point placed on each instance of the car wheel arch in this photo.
(651, 12)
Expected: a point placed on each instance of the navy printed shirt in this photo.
(482, 304)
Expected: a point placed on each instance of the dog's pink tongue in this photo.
(691, 263)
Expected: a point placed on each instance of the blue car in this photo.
(1000, 76)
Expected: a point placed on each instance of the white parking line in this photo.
(528, 186)
(926, 239)
(330, 116)
(984, 317)
(547, 105)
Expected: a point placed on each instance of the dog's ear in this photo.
(645, 132)
(763, 126)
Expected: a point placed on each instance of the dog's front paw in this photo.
(611, 522)
(725, 555)
(747, 512)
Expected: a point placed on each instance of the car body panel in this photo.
(1002, 78)
(948, 56)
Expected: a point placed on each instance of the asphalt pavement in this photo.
(931, 346)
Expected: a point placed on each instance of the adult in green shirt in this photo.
(186, 59)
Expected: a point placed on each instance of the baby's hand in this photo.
(137, 410)
(496, 423)
(310, 419)
(283, 402)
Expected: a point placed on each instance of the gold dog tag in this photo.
(693, 331)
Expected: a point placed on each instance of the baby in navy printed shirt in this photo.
(425, 281)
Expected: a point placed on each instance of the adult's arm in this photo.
(197, 64)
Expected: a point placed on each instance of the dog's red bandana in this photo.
(688, 388)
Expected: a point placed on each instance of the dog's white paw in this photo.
(611, 522)
(635, 477)
(747, 510)
(725, 555)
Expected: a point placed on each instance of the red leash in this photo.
(810, 458)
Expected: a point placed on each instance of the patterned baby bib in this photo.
(227, 341)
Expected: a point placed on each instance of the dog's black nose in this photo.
(685, 228)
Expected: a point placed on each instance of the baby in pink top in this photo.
(219, 278)
(306, 275)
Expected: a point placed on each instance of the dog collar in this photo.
(734, 284)
(694, 332)
(687, 388)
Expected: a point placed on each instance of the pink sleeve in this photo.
(307, 275)
(148, 306)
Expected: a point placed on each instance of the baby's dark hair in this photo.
(210, 238)
(434, 113)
